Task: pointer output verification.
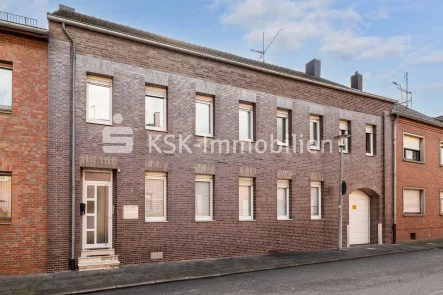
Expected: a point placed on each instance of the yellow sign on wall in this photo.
(354, 207)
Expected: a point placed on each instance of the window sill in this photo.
(412, 161)
(319, 219)
(203, 220)
(5, 111)
(5, 222)
(99, 122)
(283, 144)
(147, 220)
(205, 135)
(370, 155)
(156, 130)
(413, 214)
(246, 140)
(314, 148)
(284, 219)
(246, 220)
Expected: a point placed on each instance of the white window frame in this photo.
(285, 115)
(441, 202)
(317, 185)
(422, 201)
(248, 108)
(8, 67)
(157, 176)
(422, 148)
(7, 178)
(157, 92)
(344, 126)
(441, 153)
(209, 179)
(314, 119)
(103, 82)
(283, 184)
(370, 130)
(209, 101)
(245, 181)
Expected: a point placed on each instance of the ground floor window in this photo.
(5, 198)
(203, 198)
(413, 201)
(246, 199)
(155, 196)
(282, 199)
(315, 200)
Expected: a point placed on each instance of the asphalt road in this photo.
(408, 273)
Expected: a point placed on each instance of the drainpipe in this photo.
(394, 226)
(72, 259)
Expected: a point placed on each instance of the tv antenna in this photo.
(408, 95)
(263, 51)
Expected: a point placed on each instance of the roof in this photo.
(409, 113)
(28, 30)
(93, 22)
(440, 118)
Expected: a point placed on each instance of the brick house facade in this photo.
(420, 178)
(23, 148)
(104, 51)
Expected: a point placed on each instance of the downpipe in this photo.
(394, 225)
(73, 64)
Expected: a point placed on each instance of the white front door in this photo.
(97, 220)
(359, 218)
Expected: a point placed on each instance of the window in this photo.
(282, 199)
(314, 132)
(413, 148)
(344, 130)
(5, 87)
(441, 153)
(155, 108)
(99, 100)
(246, 122)
(155, 196)
(370, 140)
(441, 202)
(316, 200)
(5, 199)
(246, 199)
(203, 116)
(282, 127)
(413, 201)
(203, 198)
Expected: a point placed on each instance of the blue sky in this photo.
(381, 39)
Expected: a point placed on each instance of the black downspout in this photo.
(72, 259)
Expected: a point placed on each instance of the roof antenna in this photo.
(408, 94)
(263, 51)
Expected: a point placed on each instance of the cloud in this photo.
(337, 29)
(432, 57)
(429, 87)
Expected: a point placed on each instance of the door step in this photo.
(98, 259)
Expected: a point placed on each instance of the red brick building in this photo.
(419, 177)
(23, 147)
(134, 203)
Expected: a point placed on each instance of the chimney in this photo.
(357, 81)
(66, 8)
(313, 68)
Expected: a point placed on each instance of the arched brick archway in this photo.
(375, 208)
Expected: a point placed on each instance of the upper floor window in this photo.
(441, 153)
(413, 148)
(203, 198)
(246, 122)
(5, 198)
(413, 201)
(282, 199)
(315, 200)
(282, 127)
(344, 130)
(5, 87)
(155, 108)
(370, 147)
(246, 199)
(155, 196)
(99, 100)
(314, 132)
(204, 116)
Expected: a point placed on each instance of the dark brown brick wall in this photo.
(131, 64)
(24, 152)
(428, 176)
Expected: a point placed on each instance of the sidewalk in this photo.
(146, 274)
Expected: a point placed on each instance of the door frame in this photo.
(110, 209)
(349, 218)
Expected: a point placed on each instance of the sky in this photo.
(381, 39)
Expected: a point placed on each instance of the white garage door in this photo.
(358, 218)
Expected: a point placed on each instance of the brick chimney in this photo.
(313, 68)
(357, 81)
